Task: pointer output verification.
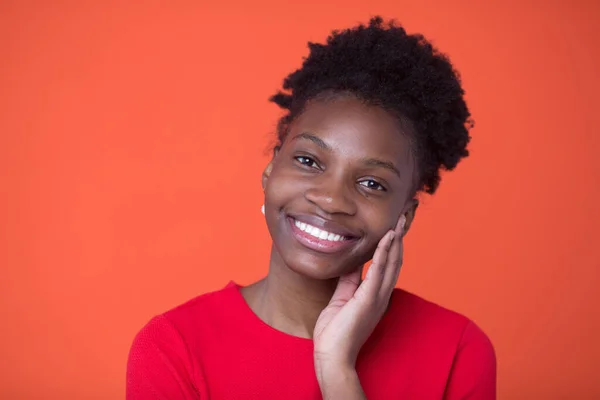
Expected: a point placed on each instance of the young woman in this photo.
(372, 117)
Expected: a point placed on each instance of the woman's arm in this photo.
(339, 382)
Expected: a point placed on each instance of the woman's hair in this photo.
(386, 67)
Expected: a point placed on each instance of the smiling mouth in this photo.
(318, 239)
(320, 233)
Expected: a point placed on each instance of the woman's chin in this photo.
(318, 269)
(314, 273)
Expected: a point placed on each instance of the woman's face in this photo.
(339, 182)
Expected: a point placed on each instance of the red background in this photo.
(132, 138)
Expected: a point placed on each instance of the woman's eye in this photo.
(307, 161)
(371, 184)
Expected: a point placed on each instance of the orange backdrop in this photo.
(132, 138)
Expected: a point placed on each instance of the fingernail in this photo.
(402, 223)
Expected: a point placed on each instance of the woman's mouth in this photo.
(319, 239)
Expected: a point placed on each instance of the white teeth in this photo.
(318, 233)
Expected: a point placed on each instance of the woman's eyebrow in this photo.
(316, 140)
(374, 162)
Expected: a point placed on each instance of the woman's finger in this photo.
(371, 286)
(346, 287)
(394, 261)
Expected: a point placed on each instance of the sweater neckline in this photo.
(262, 327)
(270, 333)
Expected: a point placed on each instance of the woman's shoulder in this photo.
(205, 304)
(415, 306)
(193, 315)
(163, 353)
(428, 319)
(436, 344)
(208, 309)
(196, 319)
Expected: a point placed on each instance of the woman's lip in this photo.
(324, 225)
(320, 245)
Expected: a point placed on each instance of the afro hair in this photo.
(382, 65)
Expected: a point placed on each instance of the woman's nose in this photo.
(332, 197)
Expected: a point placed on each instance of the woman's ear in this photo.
(267, 171)
(410, 212)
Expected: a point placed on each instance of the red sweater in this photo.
(215, 347)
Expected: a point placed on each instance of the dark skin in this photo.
(345, 167)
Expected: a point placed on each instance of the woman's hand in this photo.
(354, 311)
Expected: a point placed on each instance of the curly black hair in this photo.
(382, 65)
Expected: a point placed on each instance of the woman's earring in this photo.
(262, 209)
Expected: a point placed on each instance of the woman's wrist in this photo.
(338, 381)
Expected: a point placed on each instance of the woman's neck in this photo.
(287, 301)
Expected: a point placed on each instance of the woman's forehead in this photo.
(350, 127)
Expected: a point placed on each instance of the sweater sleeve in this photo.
(473, 373)
(159, 364)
